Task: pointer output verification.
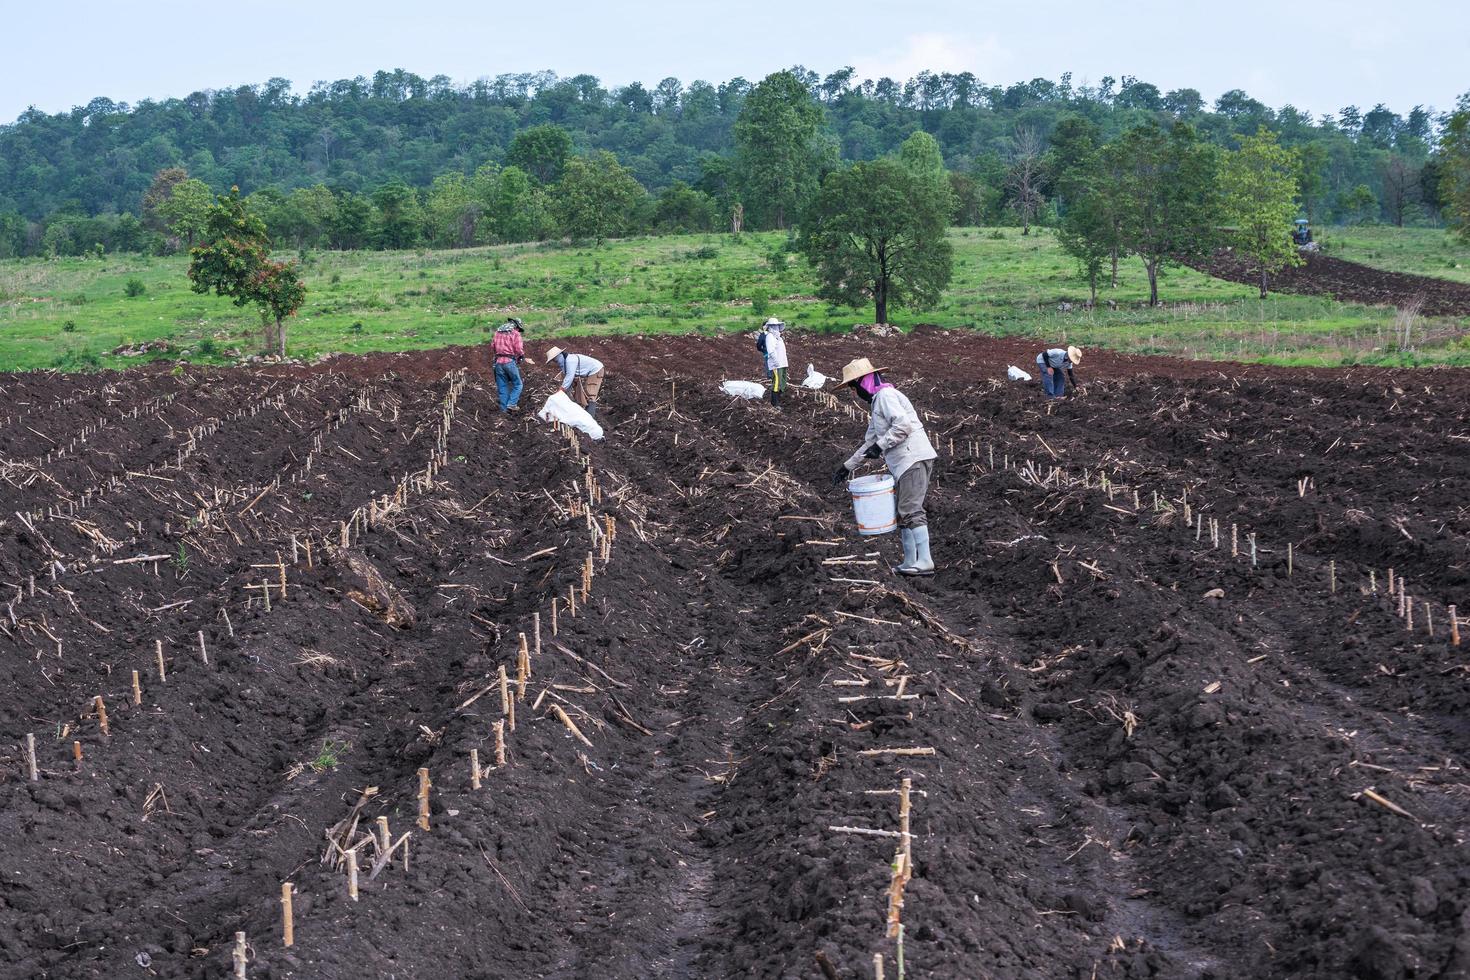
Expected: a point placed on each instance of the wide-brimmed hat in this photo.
(1074, 354)
(857, 370)
(553, 354)
(774, 322)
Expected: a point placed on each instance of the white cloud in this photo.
(937, 52)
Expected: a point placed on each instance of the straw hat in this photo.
(857, 370)
(553, 354)
(1074, 354)
(773, 322)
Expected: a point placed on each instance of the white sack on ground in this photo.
(814, 378)
(1016, 374)
(560, 408)
(743, 389)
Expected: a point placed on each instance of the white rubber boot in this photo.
(922, 565)
(906, 535)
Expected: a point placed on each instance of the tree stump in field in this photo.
(367, 586)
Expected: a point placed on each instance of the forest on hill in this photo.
(399, 160)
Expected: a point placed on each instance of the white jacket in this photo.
(894, 427)
(775, 350)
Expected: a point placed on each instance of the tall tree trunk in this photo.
(281, 337)
(1153, 282)
(880, 302)
(1092, 284)
(1263, 282)
(1114, 283)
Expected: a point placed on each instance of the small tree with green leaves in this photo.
(234, 260)
(597, 197)
(876, 233)
(1258, 200)
(1453, 168)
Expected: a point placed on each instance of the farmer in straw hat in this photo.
(581, 375)
(896, 434)
(1052, 363)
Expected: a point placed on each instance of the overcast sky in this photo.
(1317, 56)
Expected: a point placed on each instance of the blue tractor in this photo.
(1302, 234)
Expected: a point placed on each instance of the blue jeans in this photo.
(508, 383)
(1054, 384)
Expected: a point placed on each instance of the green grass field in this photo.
(70, 313)
(1424, 251)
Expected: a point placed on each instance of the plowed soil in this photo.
(1350, 282)
(1141, 751)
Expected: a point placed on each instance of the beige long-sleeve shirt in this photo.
(894, 427)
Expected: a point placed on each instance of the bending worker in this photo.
(580, 375)
(773, 345)
(896, 434)
(1052, 363)
(509, 352)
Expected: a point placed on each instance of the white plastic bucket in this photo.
(874, 503)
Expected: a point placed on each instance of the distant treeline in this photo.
(400, 161)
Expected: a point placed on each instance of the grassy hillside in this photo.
(1424, 251)
(71, 313)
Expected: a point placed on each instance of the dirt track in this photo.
(1350, 282)
(1130, 779)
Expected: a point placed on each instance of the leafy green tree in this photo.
(1453, 168)
(183, 211)
(400, 221)
(1258, 188)
(597, 197)
(1166, 198)
(453, 211)
(540, 151)
(517, 209)
(13, 228)
(234, 260)
(876, 233)
(1358, 205)
(158, 192)
(779, 152)
(681, 209)
(1090, 227)
(351, 223)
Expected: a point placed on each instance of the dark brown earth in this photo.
(1350, 282)
(1133, 776)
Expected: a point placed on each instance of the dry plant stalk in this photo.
(102, 715)
(35, 772)
(76, 755)
(571, 726)
(500, 742)
(504, 682)
(158, 651)
(240, 956)
(137, 689)
(474, 768)
(1454, 626)
(288, 924)
(352, 873)
(424, 786)
(203, 651)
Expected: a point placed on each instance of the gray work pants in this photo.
(912, 488)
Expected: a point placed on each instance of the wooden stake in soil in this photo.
(240, 956)
(523, 668)
(31, 768)
(500, 742)
(424, 785)
(101, 715)
(288, 924)
(203, 650)
(158, 649)
(1454, 626)
(474, 768)
(137, 689)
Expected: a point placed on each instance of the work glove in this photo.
(840, 474)
(874, 451)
